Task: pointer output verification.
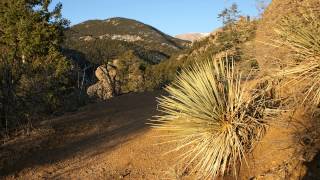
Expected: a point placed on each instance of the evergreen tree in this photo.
(230, 36)
(230, 16)
(33, 71)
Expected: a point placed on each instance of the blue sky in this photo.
(170, 16)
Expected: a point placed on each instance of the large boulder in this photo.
(108, 84)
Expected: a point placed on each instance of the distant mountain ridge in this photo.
(118, 35)
(192, 36)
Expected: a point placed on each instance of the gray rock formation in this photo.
(108, 85)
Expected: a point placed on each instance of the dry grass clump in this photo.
(301, 34)
(211, 118)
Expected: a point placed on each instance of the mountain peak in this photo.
(192, 36)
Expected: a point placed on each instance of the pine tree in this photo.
(230, 36)
(33, 71)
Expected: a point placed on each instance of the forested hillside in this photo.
(234, 40)
(103, 40)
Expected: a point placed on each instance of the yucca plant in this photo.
(211, 118)
(301, 34)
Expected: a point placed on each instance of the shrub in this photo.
(211, 117)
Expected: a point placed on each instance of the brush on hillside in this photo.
(301, 34)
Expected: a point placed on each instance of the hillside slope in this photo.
(217, 44)
(301, 119)
(267, 53)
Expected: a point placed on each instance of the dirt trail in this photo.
(106, 140)
(110, 140)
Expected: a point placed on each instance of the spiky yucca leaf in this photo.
(210, 117)
(302, 35)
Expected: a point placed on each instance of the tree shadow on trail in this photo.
(96, 129)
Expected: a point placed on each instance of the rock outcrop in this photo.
(108, 85)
